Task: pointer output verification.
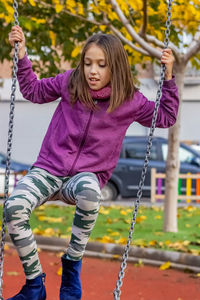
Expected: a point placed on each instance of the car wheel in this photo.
(109, 192)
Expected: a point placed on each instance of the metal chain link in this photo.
(117, 291)
(9, 147)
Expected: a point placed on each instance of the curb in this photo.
(148, 256)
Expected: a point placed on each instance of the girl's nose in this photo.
(93, 70)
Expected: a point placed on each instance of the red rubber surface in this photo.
(99, 279)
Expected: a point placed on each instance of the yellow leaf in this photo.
(6, 247)
(49, 232)
(121, 241)
(76, 51)
(194, 252)
(156, 208)
(9, 8)
(139, 264)
(109, 221)
(159, 233)
(41, 207)
(123, 213)
(167, 242)
(190, 208)
(38, 21)
(140, 242)
(69, 229)
(140, 219)
(198, 274)
(106, 239)
(80, 9)
(104, 211)
(50, 219)
(52, 36)
(102, 27)
(58, 8)
(114, 234)
(32, 2)
(152, 243)
(59, 272)
(115, 256)
(38, 231)
(187, 225)
(186, 243)
(12, 273)
(158, 217)
(165, 266)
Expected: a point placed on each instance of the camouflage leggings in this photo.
(39, 186)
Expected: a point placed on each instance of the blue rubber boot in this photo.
(34, 289)
(71, 283)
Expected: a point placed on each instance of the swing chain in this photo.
(9, 147)
(117, 291)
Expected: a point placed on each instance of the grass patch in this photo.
(113, 224)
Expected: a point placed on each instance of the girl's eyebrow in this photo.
(89, 58)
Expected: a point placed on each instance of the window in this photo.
(2, 159)
(138, 150)
(184, 155)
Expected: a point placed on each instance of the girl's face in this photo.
(97, 72)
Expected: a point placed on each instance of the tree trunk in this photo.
(172, 163)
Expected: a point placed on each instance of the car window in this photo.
(184, 155)
(2, 158)
(138, 150)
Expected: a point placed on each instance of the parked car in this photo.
(126, 176)
(14, 167)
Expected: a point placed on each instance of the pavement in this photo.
(148, 256)
(99, 277)
(143, 281)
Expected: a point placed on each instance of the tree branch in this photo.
(145, 19)
(192, 50)
(160, 44)
(92, 21)
(126, 41)
(151, 50)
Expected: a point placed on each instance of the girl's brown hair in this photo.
(122, 86)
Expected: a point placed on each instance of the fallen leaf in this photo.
(187, 225)
(59, 272)
(139, 264)
(153, 243)
(114, 233)
(116, 256)
(123, 213)
(121, 241)
(140, 219)
(109, 221)
(158, 217)
(165, 266)
(13, 273)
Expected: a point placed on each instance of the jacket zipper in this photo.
(82, 143)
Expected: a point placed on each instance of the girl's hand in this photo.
(17, 35)
(167, 58)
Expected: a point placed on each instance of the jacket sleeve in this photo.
(168, 108)
(37, 91)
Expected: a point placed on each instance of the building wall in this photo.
(31, 122)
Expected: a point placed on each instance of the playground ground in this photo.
(99, 279)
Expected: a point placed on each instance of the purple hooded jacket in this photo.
(82, 140)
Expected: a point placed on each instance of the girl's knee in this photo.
(16, 210)
(83, 186)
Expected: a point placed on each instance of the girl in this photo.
(81, 147)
